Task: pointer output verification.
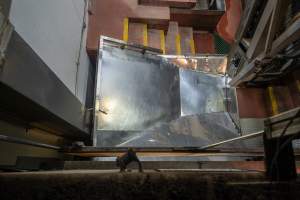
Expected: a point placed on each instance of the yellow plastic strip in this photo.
(162, 41)
(298, 85)
(125, 29)
(178, 46)
(192, 44)
(273, 101)
(145, 35)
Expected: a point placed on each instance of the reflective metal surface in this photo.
(231, 104)
(135, 91)
(147, 100)
(201, 92)
(213, 64)
(187, 131)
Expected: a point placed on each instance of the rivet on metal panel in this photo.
(162, 41)
(125, 29)
(178, 47)
(273, 101)
(145, 35)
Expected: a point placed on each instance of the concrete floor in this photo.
(95, 184)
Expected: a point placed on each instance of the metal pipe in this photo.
(27, 142)
(244, 137)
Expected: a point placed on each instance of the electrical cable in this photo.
(279, 148)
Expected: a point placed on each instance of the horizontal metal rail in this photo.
(244, 137)
(16, 140)
(92, 151)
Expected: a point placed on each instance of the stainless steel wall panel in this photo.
(135, 91)
(201, 92)
(188, 131)
(144, 99)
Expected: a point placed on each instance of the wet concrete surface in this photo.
(109, 184)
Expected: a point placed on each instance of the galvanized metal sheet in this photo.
(213, 64)
(201, 92)
(135, 90)
(147, 100)
(187, 131)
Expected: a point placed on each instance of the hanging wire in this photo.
(282, 146)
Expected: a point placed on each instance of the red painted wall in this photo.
(230, 21)
(204, 43)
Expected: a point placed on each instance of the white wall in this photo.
(53, 29)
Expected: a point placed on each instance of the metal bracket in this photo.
(126, 159)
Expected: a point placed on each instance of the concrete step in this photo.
(170, 3)
(177, 41)
(106, 17)
(109, 17)
(205, 20)
(187, 41)
(138, 33)
(173, 39)
(156, 39)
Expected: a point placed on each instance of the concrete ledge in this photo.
(95, 184)
(89, 184)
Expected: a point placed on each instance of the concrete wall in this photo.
(53, 30)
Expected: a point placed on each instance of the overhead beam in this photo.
(258, 40)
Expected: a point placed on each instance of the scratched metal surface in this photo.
(187, 131)
(135, 90)
(201, 92)
(144, 100)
